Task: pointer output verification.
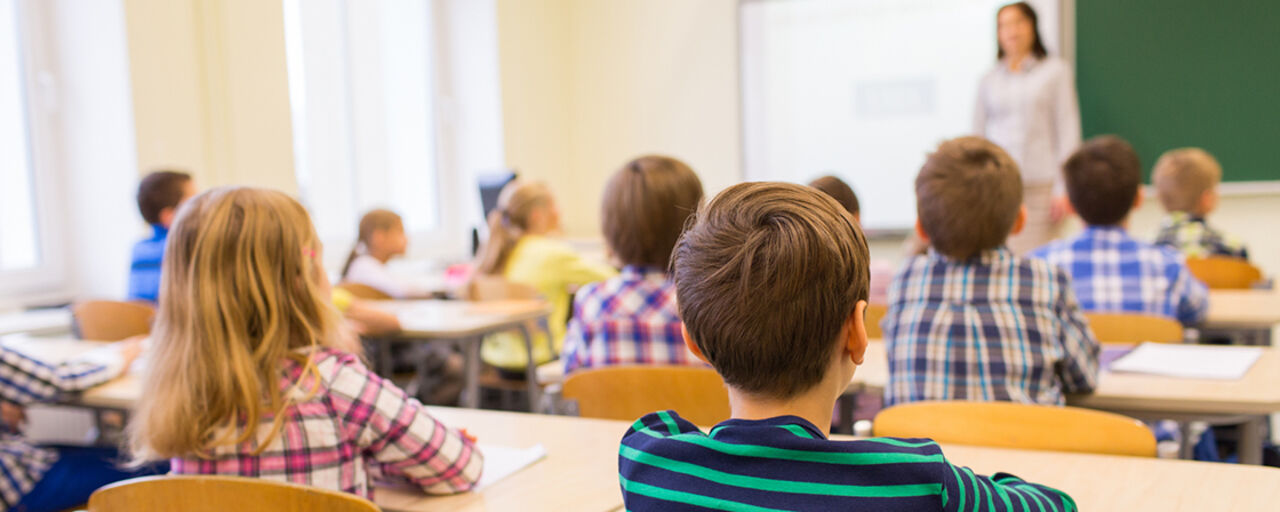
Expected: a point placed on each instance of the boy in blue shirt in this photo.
(772, 283)
(159, 196)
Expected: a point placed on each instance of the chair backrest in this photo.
(483, 287)
(1022, 426)
(1133, 328)
(108, 320)
(629, 392)
(221, 493)
(1224, 273)
(875, 313)
(363, 291)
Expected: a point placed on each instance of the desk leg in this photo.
(1251, 441)
(471, 374)
(531, 368)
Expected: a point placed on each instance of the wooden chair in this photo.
(875, 313)
(1224, 272)
(220, 493)
(363, 291)
(107, 320)
(1133, 328)
(629, 392)
(495, 288)
(1021, 426)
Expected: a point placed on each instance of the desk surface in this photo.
(1243, 308)
(444, 319)
(1257, 393)
(37, 321)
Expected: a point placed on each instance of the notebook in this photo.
(503, 461)
(1189, 361)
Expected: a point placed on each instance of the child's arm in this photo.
(28, 380)
(400, 439)
(576, 270)
(962, 490)
(1079, 369)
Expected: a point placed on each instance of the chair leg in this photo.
(531, 368)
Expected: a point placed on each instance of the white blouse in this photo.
(1033, 114)
(367, 270)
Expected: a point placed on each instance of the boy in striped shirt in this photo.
(772, 284)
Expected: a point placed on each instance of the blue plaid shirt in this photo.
(629, 319)
(1113, 272)
(992, 328)
(144, 271)
(24, 380)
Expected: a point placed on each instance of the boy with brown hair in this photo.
(772, 285)
(1110, 270)
(632, 318)
(969, 320)
(1186, 181)
(159, 195)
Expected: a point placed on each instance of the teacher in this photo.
(1027, 105)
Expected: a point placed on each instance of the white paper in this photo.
(503, 461)
(1189, 361)
(53, 424)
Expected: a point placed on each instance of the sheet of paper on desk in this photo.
(1189, 361)
(503, 461)
(53, 424)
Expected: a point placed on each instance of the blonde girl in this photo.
(381, 237)
(520, 250)
(247, 377)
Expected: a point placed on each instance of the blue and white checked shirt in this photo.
(1113, 273)
(992, 328)
(24, 380)
(144, 270)
(629, 319)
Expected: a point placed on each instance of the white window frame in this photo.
(49, 278)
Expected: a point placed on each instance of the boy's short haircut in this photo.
(765, 279)
(968, 195)
(1102, 178)
(1182, 176)
(646, 205)
(840, 191)
(160, 190)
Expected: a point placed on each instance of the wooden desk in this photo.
(1247, 314)
(1246, 401)
(465, 323)
(36, 321)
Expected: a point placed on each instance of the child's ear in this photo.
(1137, 201)
(693, 347)
(856, 343)
(1208, 201)
(1019, 222)
(166, 216)
(924, 238)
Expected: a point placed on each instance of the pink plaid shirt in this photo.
(357, 428)
(629, 319)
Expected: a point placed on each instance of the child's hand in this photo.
(130, 349)
(13, 416)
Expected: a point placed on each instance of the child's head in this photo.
(242, 288)
(968, 198)
(381, 235)
(771, 280)
(1187, 181)
(1103, 179)
(524, 208)
(841, 192)
(161, 192)
(646, 204)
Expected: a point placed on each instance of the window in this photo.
(362, 91)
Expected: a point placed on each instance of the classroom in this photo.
(643, 255)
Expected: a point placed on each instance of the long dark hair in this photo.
(1037, 47)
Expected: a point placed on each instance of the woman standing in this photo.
(1027, 105)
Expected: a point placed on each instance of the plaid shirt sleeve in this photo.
(575, 337)
(1189, 294)
(1078, 371)
(25, 380)
(401, 439)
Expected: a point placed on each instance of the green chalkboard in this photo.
(1173, 73)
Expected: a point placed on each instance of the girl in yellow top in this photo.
(520, 251)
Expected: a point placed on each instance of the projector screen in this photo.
(864, 89)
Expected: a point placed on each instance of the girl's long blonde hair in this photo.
(509, 221)
(375, 220)
(241, 288)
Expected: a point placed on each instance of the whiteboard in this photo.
(864, 89)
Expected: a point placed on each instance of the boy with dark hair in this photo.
(969, 320)
(632, 318)
(159, 195)
(1110, 270)
(772, 285)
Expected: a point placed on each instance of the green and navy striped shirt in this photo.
(785, 463)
